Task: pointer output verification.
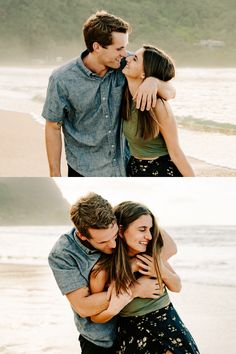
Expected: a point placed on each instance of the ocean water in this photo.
(206, 254)
(205, 107)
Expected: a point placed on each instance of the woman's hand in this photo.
(146, 287)
(146, 265)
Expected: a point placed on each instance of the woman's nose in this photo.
(129, 58)
(148, 236)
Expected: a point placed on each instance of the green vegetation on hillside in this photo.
(48, 29)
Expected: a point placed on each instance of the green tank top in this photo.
(139, 147)
(140, 307)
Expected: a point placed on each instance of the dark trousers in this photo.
(73, 173)
(90, 348)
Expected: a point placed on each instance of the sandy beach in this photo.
(36, 318)
(22, 147)
(23, 151)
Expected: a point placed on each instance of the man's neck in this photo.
(93, 65)
(85, 242)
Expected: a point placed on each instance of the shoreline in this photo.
(23, 152)
(37, 318)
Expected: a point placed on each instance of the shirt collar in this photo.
(85, 70)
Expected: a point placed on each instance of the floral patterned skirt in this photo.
(160, 167)
(155, 333)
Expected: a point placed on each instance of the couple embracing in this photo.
(113, 110)
(113, 267)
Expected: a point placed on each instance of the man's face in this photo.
(104, 240)
(111, 56)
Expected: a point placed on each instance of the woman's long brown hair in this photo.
(156, 63)
(117, 265)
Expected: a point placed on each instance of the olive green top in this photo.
(140, 307)
(138, 146)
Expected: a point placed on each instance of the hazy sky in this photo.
(175, 201)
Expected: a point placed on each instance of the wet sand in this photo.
(36, 318)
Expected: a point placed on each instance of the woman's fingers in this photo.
(143, 265)
(144, 257)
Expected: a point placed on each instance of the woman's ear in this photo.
(143, 76)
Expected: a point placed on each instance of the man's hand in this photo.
(146, 287)
(146, 95)
(117, 302)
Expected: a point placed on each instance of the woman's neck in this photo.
(133, 85)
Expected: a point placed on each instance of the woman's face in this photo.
(138, 234)
(134, 66)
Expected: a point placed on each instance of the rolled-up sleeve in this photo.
(56, 102)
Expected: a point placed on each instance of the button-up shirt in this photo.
(89, 107)
(71, 262)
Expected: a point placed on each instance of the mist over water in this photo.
(205, 107)
(206, 254)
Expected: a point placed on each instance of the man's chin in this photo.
(108, 252)
(115, 65)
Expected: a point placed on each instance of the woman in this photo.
(148, 326)
(152, 135)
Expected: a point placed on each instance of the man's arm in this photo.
(146, 95)
(145, 287)
(169, 248)
(54, 147)
(87, 305)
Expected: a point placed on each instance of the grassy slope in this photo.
(54, 28)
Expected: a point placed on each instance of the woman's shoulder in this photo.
(162, 108)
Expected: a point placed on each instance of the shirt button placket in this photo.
(110, 135)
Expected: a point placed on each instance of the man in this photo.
(71, 260)
(84, 98)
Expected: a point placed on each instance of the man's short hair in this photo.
(91, 211)
(99, 27)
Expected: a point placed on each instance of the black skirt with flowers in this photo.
(155, 333)
(163, 166)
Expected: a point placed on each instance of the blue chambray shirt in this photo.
(89, 107)
(71, 263)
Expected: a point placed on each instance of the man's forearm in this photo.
(166, 90)
(90, 305)
(53, 147)
(170, 278)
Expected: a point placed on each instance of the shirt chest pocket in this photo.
(115, 97)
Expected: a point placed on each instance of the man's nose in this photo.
(123, 53)
(112, 244)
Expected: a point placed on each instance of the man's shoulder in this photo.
(65, 243)
(66, 69)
